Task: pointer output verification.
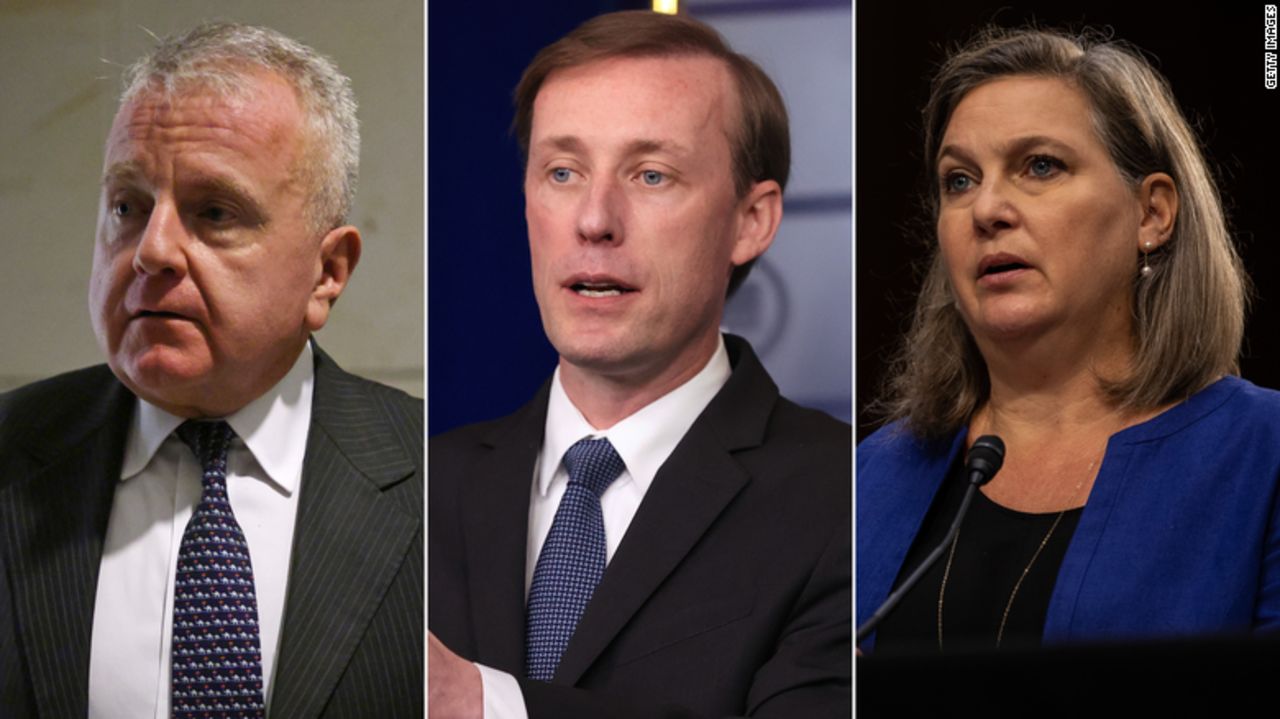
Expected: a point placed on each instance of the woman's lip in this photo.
(1002, 279)
(998, 260)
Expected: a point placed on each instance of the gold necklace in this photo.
(1004, 618)
(1018, 585)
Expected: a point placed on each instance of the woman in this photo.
(1085, 304)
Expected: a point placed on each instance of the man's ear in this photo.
(1158, 196)
(339, 254)
(759, 214)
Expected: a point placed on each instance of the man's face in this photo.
(634, 225)
(207, 278)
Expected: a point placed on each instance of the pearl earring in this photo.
(1147, 270)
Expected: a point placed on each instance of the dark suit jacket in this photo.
(351, 642)
(729, 594)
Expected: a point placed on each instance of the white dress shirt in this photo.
(643, 440)
(160, 485)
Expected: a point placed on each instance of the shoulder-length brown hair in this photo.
(1188, 315)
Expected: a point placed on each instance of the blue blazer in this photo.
(1181, 533)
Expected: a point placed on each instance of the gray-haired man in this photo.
(219, 519)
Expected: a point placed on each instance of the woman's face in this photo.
(1037, 228)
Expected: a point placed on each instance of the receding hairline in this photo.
(291, 123)
(733, 120)
(217, 55)
(733, 129)
(760, 146)
(256, 86)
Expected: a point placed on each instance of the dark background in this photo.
(486, 354)
(1214, 62)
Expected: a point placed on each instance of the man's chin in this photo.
(593, 356)
(166, 377)
(611, 360)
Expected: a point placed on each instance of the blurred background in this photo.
(1213, 59)
(62, 63)
(486, 351)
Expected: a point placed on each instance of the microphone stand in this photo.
(983, 461)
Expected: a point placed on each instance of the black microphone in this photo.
(984, 459)
(981, 464)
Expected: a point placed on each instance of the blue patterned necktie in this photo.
(572, 558)
(217, 657)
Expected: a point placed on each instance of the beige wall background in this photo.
(60, 68)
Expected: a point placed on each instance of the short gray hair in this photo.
(215, 56)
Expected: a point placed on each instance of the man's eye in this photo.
(561, 175)
(217, 214)
(652, 177)
(130, 209)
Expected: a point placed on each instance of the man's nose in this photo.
(993, 208)
(599, 217)
(162, 247)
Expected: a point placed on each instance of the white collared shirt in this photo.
(160, 485)
(644, 441)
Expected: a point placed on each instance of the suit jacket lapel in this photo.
(334, 589)
(55, 516)
(495, 505)
(691, 489)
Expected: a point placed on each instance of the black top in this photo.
(994, 547)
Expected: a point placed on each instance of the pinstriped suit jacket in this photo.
(352, 637)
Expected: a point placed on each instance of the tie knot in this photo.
(594, 463)
(208, 440)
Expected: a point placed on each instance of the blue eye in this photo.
(1044, 166)
(652, 177)
(561, 175)
(126, 209)
(956, 182)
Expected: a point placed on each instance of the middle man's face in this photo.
(632, 215)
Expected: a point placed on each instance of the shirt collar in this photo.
(643, 440)
(273, 427)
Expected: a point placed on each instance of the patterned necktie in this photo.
(572, 558)
(217, 657)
